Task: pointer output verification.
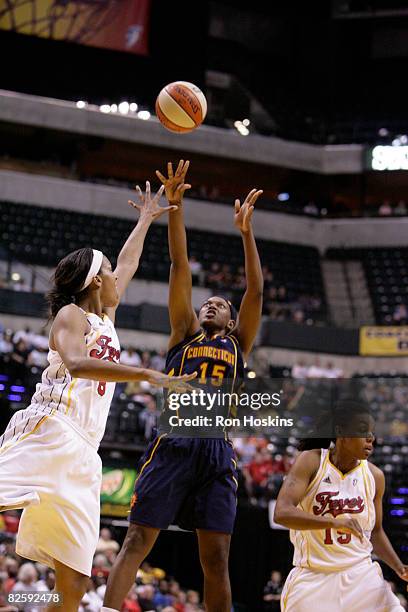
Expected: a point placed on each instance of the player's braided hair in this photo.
(68, 278)
(340, 416)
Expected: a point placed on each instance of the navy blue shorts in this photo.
(189, 482)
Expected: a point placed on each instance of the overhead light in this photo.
(237, 124)
(283, 197)
(383, 131)
(15, 276)
(81, 104)
(251, 374)
(246, 122)
(144, 114)
(105, 108)
(403, 139)
(133, 107)
(123, 108)
(114, 108)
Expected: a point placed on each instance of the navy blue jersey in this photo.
(215, 360)
(219, 365)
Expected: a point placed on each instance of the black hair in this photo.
(339, 416)
(233, 310)
(69, 276)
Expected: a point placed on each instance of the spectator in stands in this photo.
(39, 340)
(12, 567)
(400, 315)
(146, 357)
(158, 361)
(385, 209)
(267, 276)
(145, 594)
(256, 475)
(106, 542)
(239, 281)
(215, 276)
(162, 597)
(272, 592)
(311, 209)
(130, 357)
(196, 270)
(131, 603)
(100, 565)
(193, 598)
(6, 344)
(48, 582)
(37, 358)
(4, 606)
(148, 416)
(401, 208)
(27, 580)
(18, 360)
(91, 602)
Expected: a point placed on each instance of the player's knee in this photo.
(136, 541)
(74, 587)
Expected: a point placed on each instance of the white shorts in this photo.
(361, 588)
(55, 474)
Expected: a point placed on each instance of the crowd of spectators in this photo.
(153, 590)
(21, 350)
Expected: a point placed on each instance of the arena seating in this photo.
(386, 271)
(42, 236)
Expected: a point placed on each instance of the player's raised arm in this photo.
(68, 338)
(251, 306)
(382, 547)
(294, 490)
(183, 319)
(129, 256)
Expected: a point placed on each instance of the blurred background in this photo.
(307, 103)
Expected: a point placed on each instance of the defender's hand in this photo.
(178, 384)
(149, 207)
(174, 184)
(243, 214)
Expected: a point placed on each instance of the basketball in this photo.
(181, 106)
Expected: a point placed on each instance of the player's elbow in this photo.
(280, 514)
(74, 366)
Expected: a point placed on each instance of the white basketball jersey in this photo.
(85, 403)
(338, 495)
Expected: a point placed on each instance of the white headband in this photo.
(94, 269)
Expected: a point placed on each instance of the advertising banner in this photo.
(121, 25)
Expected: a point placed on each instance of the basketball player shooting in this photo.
(331, 501)
(192, 481)
(49, 464)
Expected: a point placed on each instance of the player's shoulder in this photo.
(70, 312)
(309, 460)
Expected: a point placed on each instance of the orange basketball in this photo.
(181, 106)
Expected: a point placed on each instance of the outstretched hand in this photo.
(149, 207)
(174, 183)
(243, 214)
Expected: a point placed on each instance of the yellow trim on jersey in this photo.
(146, 463)
(343, 476)
(289, 588)
(319, 473)
(235, 480)
(368, 492)
(40, 422)
(235, 343)
(234, 462)
(71, 386)
(198, 339)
